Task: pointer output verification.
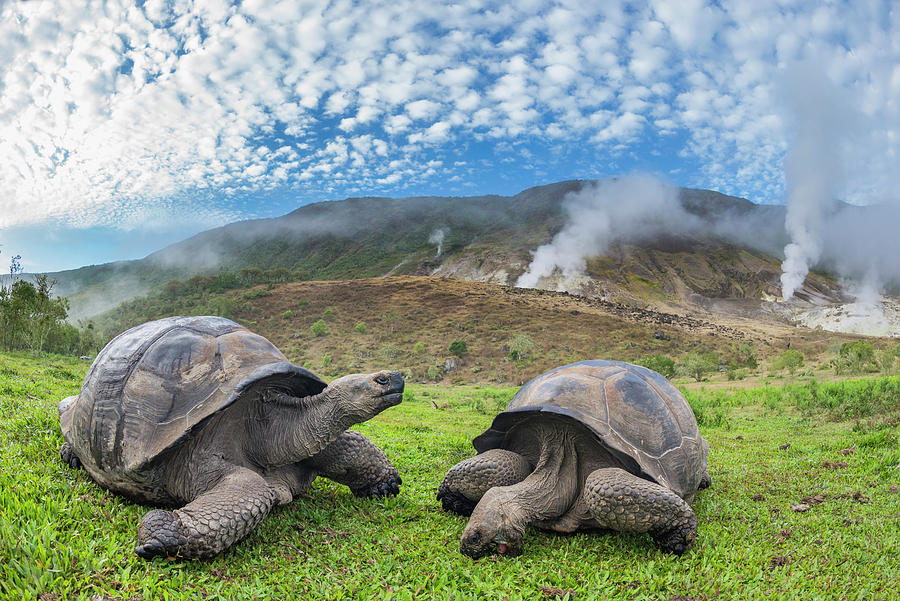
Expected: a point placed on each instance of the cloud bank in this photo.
(112, 113)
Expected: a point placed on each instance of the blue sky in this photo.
(127, 127)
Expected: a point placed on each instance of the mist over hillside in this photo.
(633, 240)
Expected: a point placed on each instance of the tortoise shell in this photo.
(635, 412)
(154, 385)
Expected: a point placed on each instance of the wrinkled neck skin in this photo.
(499, 520)
(289, 429)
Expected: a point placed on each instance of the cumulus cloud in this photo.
(111, 109)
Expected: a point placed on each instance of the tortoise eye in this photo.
(381, 380)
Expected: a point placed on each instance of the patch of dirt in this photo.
(553, 592)
(221, 574)
(834, 465)
(856, 496)
(779, 560)
(813, 499)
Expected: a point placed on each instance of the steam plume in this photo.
(812, 170)
(602, 213)
(437, 237)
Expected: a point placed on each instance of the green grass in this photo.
(62, 535)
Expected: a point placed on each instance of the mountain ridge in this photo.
(488, 238)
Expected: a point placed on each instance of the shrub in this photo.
(319, 328)
(698, 365)
(434, 373)
(886, 359)
(390, 351)
(287, 314)
(458, 348)
(854, 358)
(326, 360)
(419, 348)
(303, 303)
(744, 355)
(360, 327)
(659, 364)
(790, 360)
(328, 314)
(256, 293)
(521, 346)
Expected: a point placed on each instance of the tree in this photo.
(28, 313)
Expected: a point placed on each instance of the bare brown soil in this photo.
(410, 322)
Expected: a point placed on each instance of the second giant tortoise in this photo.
(595, 444)
(201, 414)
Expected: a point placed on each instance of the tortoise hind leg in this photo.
(210, 523)
(355, 461)
(67, 453)
(467, 481)
(621, 501)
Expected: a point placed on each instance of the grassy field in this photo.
(774, 451)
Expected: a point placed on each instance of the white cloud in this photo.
(113, 109)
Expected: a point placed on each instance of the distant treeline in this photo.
(31, 319)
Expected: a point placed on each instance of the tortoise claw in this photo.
(160, 533)
(69, 457)
(388, 486)
(455, 502)
(150, 550)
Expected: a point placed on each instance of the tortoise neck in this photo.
(547, 493)
(296, 428)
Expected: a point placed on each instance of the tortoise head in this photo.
(496, 527)
(363, 396)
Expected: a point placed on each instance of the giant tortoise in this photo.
(595, 444)
(200, 414)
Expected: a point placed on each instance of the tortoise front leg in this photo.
(467, 481)
(353, 460)
(67, 453)
(621, 501)
(210, 523)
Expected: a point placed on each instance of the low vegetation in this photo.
(803, 506)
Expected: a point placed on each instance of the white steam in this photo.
(599, 214)
(437, 237)
(812, 170)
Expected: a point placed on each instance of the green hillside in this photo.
(370, 237)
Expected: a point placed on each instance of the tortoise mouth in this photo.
(393, 398)
(394, 392)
